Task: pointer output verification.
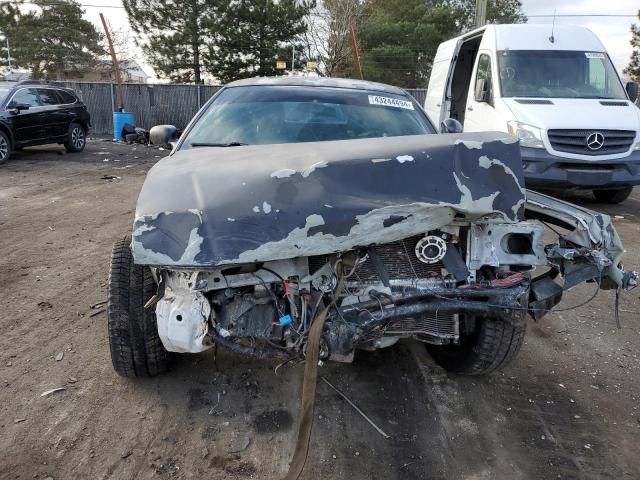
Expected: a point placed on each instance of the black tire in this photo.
(76, 138)
(136, 349)
(617, 195)
(492, 345)
(5, 147)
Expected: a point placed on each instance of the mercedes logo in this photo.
(595, 141)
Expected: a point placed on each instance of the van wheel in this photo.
(76, 139)
(617, 195)
(136, 348)
(5, 148)
(492, 345)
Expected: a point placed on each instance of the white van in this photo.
(557, 91)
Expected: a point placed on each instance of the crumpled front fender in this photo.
(591, 239)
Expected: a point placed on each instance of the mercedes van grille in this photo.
(575, 141)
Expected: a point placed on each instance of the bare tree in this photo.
(327, 37)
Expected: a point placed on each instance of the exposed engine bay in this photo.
(429, 287)
(417, 237)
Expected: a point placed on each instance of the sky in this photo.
(614, 31)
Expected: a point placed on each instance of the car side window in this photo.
(48, 97)
(25, 96)
(66, 97)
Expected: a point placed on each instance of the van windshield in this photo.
(558, 74)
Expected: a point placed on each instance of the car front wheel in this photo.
(491, 345)
(5, 148)
(77, 138)
(136, 348)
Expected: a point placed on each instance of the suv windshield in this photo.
(558, 74)
(291, 114)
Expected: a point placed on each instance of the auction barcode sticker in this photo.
(390, 102)
(594, 55)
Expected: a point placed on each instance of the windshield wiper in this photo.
(205, 144)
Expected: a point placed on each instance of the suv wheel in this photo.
(136, 348)
(77, 138)
(492, 345)
(617, 195)
(5, 147)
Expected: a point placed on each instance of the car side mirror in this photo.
(16, 108)
(164, 135)
(451, 125)
(482, 91)
(632, 91)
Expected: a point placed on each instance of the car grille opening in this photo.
(575, 141)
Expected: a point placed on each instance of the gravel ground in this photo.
(566, 408)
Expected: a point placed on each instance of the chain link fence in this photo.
(153, 104)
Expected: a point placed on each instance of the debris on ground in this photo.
(59, 356)
(97, 312)
(378, 429)
(126, 454)
(19, 420)
(53, 390)
(111, 178)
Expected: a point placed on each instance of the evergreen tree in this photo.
(254, 35)
(399, 39)
(633, 69)
(52, 40)
(498, 11)
(175, 33)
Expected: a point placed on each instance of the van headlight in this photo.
(528, 135)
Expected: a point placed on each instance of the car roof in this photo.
(299, 81)
(33, 83)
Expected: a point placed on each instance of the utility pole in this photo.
(293, 58)
(481, 13)
(8, 53)
(356, 51)
(116, 65)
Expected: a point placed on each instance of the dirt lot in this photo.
(567, 408)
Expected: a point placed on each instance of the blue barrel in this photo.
(119, 119)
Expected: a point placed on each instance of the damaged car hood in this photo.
(216, 206)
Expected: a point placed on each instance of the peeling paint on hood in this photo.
(183, 212)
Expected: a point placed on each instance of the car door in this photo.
(481, 115)
(26, 119)
(54, 119)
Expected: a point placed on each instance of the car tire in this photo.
(136, 348)
(492, 345)
(617, 195)
(5, 147)
(76, 138)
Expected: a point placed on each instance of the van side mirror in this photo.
(451, 125)
(632, 91)
(164, 135)
(482, 92)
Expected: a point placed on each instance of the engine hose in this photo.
(262, 353)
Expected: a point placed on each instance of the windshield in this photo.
(291, 114)
(4, 91)
(558, 74)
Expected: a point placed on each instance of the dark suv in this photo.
(36, 113)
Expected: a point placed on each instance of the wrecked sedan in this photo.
(287, 196)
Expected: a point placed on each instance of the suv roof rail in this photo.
(40, 82)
